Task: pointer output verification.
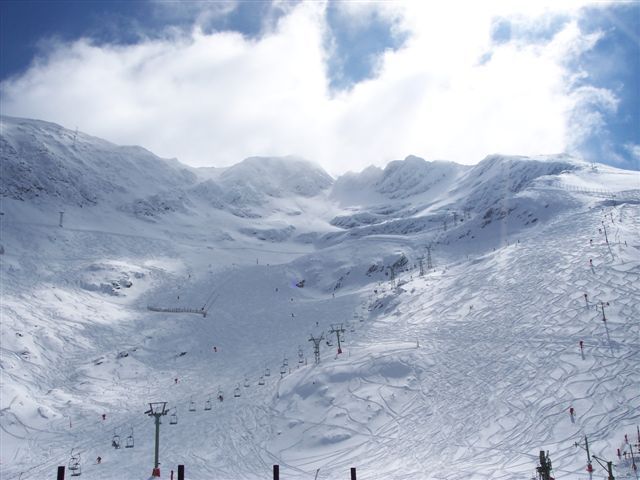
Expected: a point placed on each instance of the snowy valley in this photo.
(477, 305)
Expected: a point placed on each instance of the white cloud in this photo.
(213, 99)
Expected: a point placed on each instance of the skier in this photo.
(590, 241)
(99, 460)
(220, 397)
(175, 381)
(215, 349)
(591, 262)
(571, 412)
(581, 345)
(104, 417)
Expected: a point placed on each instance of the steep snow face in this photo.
(43, 159)
(413, 196)
(400, 179)
(413, 176)
(255, 177)
(498, 176)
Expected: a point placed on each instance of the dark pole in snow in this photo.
(602, 304)
(586, 447)
(353, 473)
(180, 472)
(156, 463)
(316, 346)
(544, 470)
(157, 410)
(60, 473)
(337, 331)
(276, 472)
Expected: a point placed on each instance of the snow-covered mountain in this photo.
(465, 371)
(41, 159)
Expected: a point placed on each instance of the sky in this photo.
(343, 84)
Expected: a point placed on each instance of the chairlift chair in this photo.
(74, 465)
(115, 441)
(285, 362)
(261, 381)
(192, 406)
(283, 370)
(267, 372)
(219, 396)
(236, 392)
(128, 443)
(207, 404)
(173, 418)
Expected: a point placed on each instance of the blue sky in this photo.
(344, 83)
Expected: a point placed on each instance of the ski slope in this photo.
(464, 372)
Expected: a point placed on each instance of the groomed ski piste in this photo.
(465, 371)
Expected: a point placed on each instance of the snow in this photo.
(466, 372)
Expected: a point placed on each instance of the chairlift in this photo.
(236, 392)
(219, 396)
(283, 370)
(115, 441)
(74, 464)
(173, 418)
(267, 372)
(285, 362)
(128, 443)
(192, 406)
(207, 404)
(261, 381)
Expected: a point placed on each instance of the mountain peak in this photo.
(277, 176)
